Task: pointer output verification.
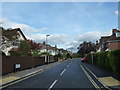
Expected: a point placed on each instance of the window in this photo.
(117, 34)
(16, 43)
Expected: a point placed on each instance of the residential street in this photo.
(69, 74)
(60, 44)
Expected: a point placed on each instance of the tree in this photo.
(25, 48)
(46, 53)
(76, 55)
(60, 55)
(36, 53)
(86, 47)
(10, 35)
(68, 55)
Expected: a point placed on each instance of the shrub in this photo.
(89, 58)
(114, 61)
(15, 54)
(109, 60)
(24, 48)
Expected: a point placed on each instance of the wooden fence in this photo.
(10, 63)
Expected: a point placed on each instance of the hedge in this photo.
(109, 60)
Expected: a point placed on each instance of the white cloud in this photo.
(24, 27)
(53, 39)
(35, 34)
(92, 36)
(116, 12)
(72, 46)
(58, 39)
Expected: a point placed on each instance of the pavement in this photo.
(107, 78)
(71, 72)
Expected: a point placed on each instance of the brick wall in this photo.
(114, 46)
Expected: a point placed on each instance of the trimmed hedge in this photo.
(109, 60)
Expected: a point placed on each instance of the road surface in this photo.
(69, 74)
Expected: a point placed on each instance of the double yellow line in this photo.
(91, 80)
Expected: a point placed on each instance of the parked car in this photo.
(84, 59)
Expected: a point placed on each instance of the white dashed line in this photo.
(52, 84)
(67, 65)
(63, 72)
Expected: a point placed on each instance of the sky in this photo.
(67, 23)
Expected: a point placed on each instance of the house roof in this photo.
(10, 33)
(104, 39)
(115, 30)
(33, 44)
(109, 38)
(18, 29)
(114, 38)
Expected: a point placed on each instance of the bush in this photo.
(45, 53)
(107, 60)
(15, 54)
(75, 55)
(114, 61)
(102, 59)
(24, 48)
(95, 58)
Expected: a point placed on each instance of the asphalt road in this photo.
(69, 74)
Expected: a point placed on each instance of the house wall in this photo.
(104, 39)
(20, 37)
(114, 45)
(9, 45)
(50, 51)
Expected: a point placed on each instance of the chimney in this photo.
(114, 30)
(43, 43)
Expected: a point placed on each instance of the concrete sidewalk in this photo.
(107, 78)
(25, 73)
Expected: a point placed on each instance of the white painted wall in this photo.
(8, 46)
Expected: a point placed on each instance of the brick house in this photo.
(109, 43)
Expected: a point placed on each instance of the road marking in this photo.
(110, 81)
(97, 78)
(63, 72)
(42, 70)
(32, 72)
(67, 65)
(23, 78)
(70, 62)
(9, 79)
(18, 80)
(52, 84)
(91, 80)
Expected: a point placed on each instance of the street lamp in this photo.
(46, 43)
(46, 49)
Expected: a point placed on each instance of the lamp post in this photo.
(46, 49)
(46, 42)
